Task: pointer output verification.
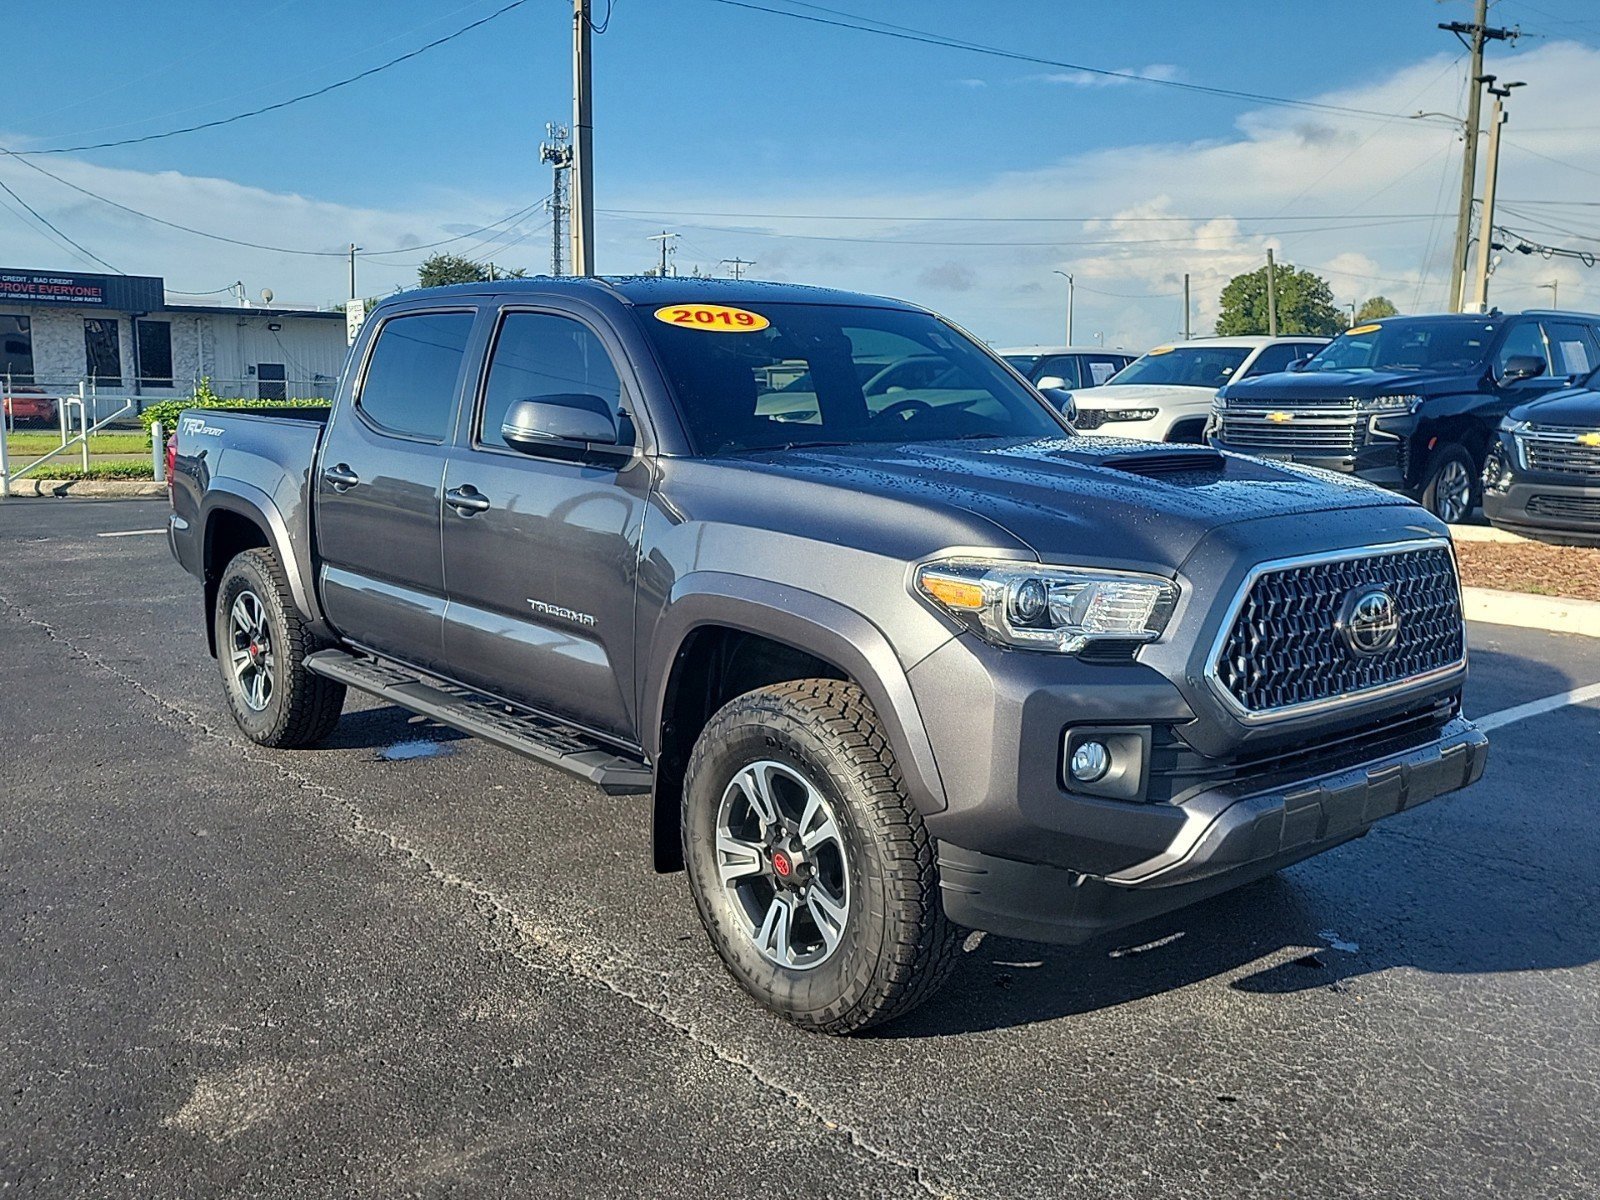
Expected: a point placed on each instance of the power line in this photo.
(902, 218)
(37, 216)
(906, 33)
(281, 104)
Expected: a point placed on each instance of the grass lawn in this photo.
(111, 456)
(34, 442)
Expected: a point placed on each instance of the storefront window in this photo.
(155, 352)
(16, 349)
(102, 352)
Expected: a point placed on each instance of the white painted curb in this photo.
(1550, 613)
(1485, 533)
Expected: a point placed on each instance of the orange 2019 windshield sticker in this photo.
(712, 318)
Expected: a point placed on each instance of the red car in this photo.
(30, 404)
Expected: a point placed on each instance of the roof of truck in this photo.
(649, 289)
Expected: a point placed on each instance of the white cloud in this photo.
(1124, 75)
(1327, 192)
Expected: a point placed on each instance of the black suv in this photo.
(1542, 477)
(1414, 403)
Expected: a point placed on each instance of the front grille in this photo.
(1580, 508)
(1324, 429)
(1284, 649)
(1560, 452)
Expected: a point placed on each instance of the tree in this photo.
(1375, 308)
(1305, 303)
(437, 270)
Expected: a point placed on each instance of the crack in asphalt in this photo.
(587, 966)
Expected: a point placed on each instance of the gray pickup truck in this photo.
(889, 658)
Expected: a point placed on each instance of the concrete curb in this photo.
(120, 489)
(1550, 613)
(1485, 533)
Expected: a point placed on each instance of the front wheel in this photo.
(1451, 488)
(812, 871)
(262, 643)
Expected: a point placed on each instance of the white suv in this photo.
(1166, 395)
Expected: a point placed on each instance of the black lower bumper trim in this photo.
(1251, 837)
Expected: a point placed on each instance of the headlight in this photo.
(1388, 403)
(1507, 425)
(1128, 414)
(1035, 607)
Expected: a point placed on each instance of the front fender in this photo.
(808, 622)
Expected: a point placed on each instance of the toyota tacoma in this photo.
(886, 664)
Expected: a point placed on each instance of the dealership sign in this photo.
(124, 293)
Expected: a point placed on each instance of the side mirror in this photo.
(1521, 366)
(1063, 403)
(532, 425)
(1050, 383)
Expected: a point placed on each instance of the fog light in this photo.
(1090, 762)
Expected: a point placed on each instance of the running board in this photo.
(481, 716)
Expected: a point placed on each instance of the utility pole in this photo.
(1071, 289)
(353, 249)
(1555, 292)
(583, 144)
(1472, 36)
(558, 153)
(1272, 296)
(1186, 334)
(1480, 291)
(737, 265)
(665, 239)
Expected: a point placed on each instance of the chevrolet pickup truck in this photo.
(886, 666)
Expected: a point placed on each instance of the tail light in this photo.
(172, 459)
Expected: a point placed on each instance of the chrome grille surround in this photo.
(1279, 653)
(1558, 451)
(1316, 428)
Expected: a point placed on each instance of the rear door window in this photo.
(1526, 340)
(1572, 348)
(410, 383)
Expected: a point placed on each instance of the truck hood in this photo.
(1570, 408)
(1100, 499)
(1140, 395)
(1343, 385)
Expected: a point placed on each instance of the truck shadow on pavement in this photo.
(1499, 878)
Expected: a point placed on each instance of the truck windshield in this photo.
(780, 376)
(1411, 344)
(1184, 366)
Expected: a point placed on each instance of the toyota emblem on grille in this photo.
(1369, 619)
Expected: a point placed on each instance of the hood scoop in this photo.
(1157, 464)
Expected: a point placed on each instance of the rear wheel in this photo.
(812, 871)
(262, 644)
(1451, 488)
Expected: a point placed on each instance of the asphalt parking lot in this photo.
(411, 964)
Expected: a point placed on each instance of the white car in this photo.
(1066, 367)
(1166, 395)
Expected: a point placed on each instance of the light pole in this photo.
(1491, 178)
(1555, 292)
(1351, 305)
(1070, 290)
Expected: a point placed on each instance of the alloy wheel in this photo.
(250, 650)
(781, 858)
(1454, 492)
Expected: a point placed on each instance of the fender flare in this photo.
(248, 501)
(808, 622)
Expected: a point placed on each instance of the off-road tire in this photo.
(897, 946)
(1434, 487)
(303, 708)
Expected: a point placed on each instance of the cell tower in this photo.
(557, 151)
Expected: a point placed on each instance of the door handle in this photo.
(466, 500)
(341, 478)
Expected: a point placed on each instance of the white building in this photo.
(119, 336)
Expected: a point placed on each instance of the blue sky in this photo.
(705, 107)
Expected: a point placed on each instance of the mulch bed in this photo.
(1570, 571)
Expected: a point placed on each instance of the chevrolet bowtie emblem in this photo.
(1589, 439)
(1280, 418)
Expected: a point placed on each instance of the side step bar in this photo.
(481, 716)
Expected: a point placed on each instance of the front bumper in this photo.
(1381, 454)
(1561, 512)
(1229, 835)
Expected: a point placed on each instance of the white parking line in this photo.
(130, 533)
(1534, 707)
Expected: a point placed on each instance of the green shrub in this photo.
(166, 411)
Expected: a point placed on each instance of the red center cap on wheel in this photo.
(781, 864)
